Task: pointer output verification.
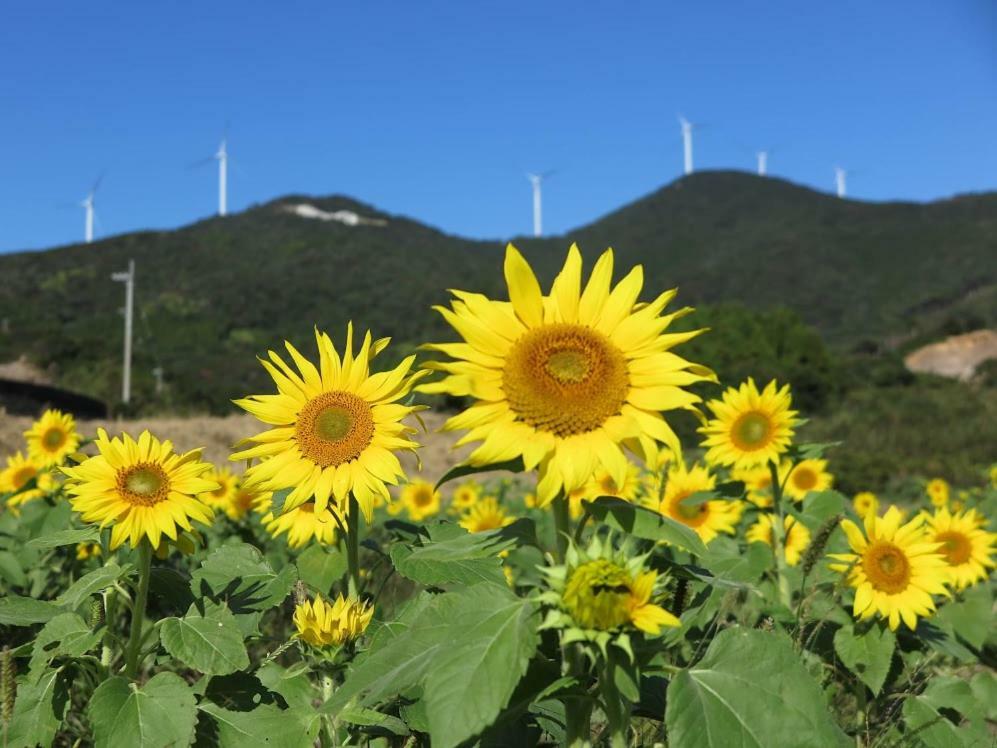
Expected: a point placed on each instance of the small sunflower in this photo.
(220, 499)
(246, 499)
(20, 471)
(563, 380)
(465, 495)
(603, 484)
(807, 476)
(707, 518)
(795, 540)
(323, 625)
(52, 438)
(142, 489)
(864, 503)
(487, 514)
(421, 500)
(336, 426)
(749, 427)
(87, 550)
(938, 491)
(894, 568)
(758, 482)
(304, 524)
(967, 548)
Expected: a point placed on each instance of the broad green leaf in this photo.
(265, 725)
(292, 685)
(97, 580)
(211, 643)
(822, 505)
(277, 500)
(984, 687)
(239, 574)
(933, 730)
(867, 653)
(363, 717)
(951, 692)
(319, 567)
(943, 640)
(38, 711)
(752, 691)
(11, 570)
(970, 617)
(726, 560)
(462, 558)
(514, 465)
(66, 635)
(644, 523)
(159, 714)
(24, 611)
(65, 537)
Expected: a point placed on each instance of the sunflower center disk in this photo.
(597, 595)
(565, 379)
(422, 498)
(334, 428)
(804, 479)
(751, 431)
(22, 476)
(54, 438)
(143, 484)
(887, 568)
(955, 547)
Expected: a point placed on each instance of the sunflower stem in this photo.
(353, 547)
(778, 539)
(138, 609)
(562, 524)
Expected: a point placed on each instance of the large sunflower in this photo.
(52, 438)
(796, 536)
(20, 471)
(142, 489)
(336, 426)
(707, 518)
(894, 568)
(562, 380)
(967, 547)
(749, 427)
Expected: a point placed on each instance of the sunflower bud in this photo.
(8, 687)
(816, 548)
(96, 611)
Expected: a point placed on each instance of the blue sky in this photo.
(436, 110)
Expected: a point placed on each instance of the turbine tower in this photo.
(90, 215)
(686, 143)
(840, 177)
(763, 163)
(537, 181)
(222, 157)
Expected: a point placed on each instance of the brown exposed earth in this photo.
(956, 356)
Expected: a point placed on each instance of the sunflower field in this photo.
(583, 578)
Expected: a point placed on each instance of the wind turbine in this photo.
(537, 181)
(221, 156)
(90, 215)
(686, 143)
(763, 162)
(840, 178)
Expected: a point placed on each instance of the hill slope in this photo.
(212, 295)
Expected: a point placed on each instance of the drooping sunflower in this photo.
(865, 502)
(141, 488)
(304, 524)
(336, 427)
(421, 500)
(749, 428)
(52, 438)
(965, 545)
(14, 479)
(758, 482)
(220, 499)
(806, 476)
(485, 515)
(938, 491)
(894, 568)
(322, 624)
(563, 380)
(707, 518)
(465, 495)
(795, 540)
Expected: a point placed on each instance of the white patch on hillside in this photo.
(956, 356)
(346, 217)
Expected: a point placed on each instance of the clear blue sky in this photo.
(435, 110)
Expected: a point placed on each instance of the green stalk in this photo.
(562, 524)
(778, 538)
(353, 547)
(138, 609)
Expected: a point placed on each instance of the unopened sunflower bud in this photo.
(819, 542)
(96, 611)
(678, 598)
(300, 593)
(8, 686)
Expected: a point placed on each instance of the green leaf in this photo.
(984, 687)
(210, 642)
(363, 717)
(514, 465)
(867, 653)
(65, 537)
(319, 567)
(264, 725)
(970, 617)
(11, 570)
(97, 580)
(822, 505)
(459, 558)
(933, 730)
(943, 640)
(291, 684)
(278, 499)
(159, 714)
(752, 691)
(38, 710)
(950, 692)
(66, 635)
(644, 523)
(239, 574)
(25, 611)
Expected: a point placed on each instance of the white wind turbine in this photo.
(221, 156)
(687, 128)
(840, 180)
(763, 162)
(537, 181)
(90, 214)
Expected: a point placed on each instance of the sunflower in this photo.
(563, 380)
(758, 482)
(221, 498)
(603, 484)
(967, 548)
(794, 542)
(322, 624)
(749, 427)
(938, 491)
(140, 488)
(865, 502)
(336, 426)
(20, 471)
(87, 550)
(465, 495)
(707, 518)
(487, 514)
(246, 499)
(52, 438)
(894, 568)
(806, 476)
(421, 500)
(304, 524)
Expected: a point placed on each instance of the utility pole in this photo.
(128, 278)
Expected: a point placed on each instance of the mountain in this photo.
(213, 295)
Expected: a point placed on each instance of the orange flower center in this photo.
(334, 428)
(886, 566)
(955, 547)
